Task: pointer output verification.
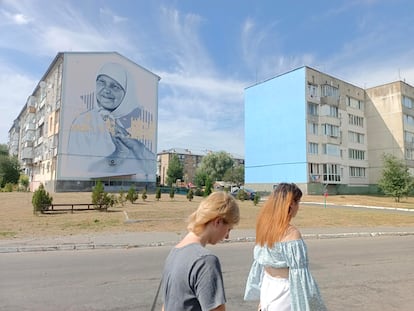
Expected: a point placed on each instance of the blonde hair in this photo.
(218, 204)
(274, 217)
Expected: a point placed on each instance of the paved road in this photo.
(363, 273)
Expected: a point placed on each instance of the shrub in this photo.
(8, 187)
(41, 200)
(144, 195)
(158, 193)
(242, 195)
(101, 199)
(132, 195)
(172, 193)
(190, 195)
(256, 198)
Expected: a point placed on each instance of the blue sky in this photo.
(206, 52)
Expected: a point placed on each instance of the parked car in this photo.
(250, 193)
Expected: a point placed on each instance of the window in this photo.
(408, 120)
(329, 90)
(356, 154)
(407, 102)
(314, 168)
(330, 130)
(409, 137)
(313, 128)
(313, 90)
(354, 103)
(356, 171)
(313, 109)
(327, 110)
(331, 172)
(313, 148)
(355, 120)
(332, 150)
(355, 137)
(409, 153)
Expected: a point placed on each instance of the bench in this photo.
(64, 207)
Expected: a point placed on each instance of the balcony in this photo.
(330, 100)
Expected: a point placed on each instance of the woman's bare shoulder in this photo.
(292, 233)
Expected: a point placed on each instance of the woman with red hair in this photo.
(280, 276)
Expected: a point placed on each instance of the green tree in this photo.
(4, 150)
(9, 170)
(215, 165)
(101, 199)
(190, 194)
(235, 174)
(132, 194)
(41, 199)
(200, 178)
(256, 198)
(175, 170)
(158, 193)
(396, 180)
(208, 188)
(24, 182)
(172, 193)
(144, 195)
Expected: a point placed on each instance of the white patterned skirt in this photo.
(275, 294)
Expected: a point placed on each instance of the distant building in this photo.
(92, 116)
(190, 160)
(323, 133)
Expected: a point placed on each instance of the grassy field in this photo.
(18, 221)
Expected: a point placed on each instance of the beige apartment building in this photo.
(390, 121)
(190, 160)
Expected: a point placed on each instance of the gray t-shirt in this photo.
(192, 280)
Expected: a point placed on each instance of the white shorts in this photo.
(275, 294)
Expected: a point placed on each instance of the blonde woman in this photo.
(280, 276)
(192, 277)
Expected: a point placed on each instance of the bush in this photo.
(172, 193)
(101, 199)
(158, 194)
(122, 198)
(41, 200)
(190, 195)
(132, 195)
(8, 187)
(242, 195)
(256, 198)
(144, 195)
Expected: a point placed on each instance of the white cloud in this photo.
(12, 85)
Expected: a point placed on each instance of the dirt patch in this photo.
(17, 219)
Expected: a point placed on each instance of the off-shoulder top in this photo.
(304, 291)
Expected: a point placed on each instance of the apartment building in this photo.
(390, 123)
(190, 160)
(310, 128)
(92, 116)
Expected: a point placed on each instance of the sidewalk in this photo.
(151, 239)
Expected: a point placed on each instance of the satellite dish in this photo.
(42, 84)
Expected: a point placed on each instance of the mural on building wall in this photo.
(112, 131)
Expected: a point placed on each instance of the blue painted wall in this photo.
(275, 130)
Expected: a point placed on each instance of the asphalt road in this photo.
(367, 274)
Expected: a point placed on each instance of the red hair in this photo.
(274, 217)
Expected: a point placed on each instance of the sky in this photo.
(206, 52)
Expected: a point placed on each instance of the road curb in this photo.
(93, 246)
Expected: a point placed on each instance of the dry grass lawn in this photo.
(18, 221)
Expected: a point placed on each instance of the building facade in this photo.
(93, 116)
(190, 159)
(323, 133)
